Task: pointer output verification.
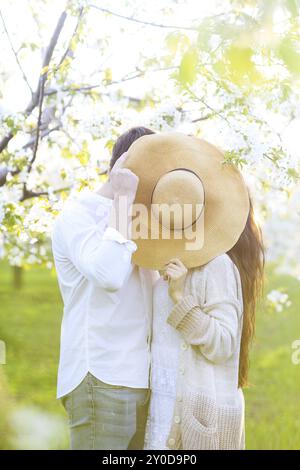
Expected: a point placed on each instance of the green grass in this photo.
(272, 402)
(30, 326)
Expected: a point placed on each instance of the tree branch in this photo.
(28, 194)
(67, 51)
(203, 118)
(4, 171)
(41, 89)
(36, 95)
(46, 61)
(148, 23)
(15, 54)
(43, 79)
(43, 134)
(213, 111)
(79, 88)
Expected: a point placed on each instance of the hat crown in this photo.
(178, 199)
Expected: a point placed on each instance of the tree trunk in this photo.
(17, 277)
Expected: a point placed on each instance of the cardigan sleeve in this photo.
(213, 326)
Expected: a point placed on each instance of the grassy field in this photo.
(272, 402)
(30, 326)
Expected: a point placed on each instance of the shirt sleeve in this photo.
(213, 326)
(100, 253)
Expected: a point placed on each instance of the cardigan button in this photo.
(184, 346)
(171, 441)
(177, 419)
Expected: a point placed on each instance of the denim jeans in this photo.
(105, 416)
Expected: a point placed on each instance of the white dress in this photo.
(164, 358)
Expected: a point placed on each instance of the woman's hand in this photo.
(175, 272)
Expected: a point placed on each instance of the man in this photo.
(106, 328)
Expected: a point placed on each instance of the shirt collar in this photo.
(93, 197)
(94, 201)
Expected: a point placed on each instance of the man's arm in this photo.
(98, 250)
(100, 253)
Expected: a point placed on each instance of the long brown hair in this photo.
(124, 141)
(248, 256)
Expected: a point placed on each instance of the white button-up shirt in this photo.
(106, 325)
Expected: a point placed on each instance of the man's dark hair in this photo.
(124, 141)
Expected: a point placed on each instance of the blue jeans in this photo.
(105, 416)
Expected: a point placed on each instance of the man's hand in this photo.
(175, 272)
(123, 181)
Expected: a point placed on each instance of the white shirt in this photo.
(106, 325)
(165, 346)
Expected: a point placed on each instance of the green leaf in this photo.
(220, 68)
(293, 7)
(288, 52)
(108, 75)
(109, 144)
(44, 69)
(240, 64)
(188, 67)
(233, 157)
(83, 156)
(66, 153)
(176, 40)
(293, 174)
(63, 174)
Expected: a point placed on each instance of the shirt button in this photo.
(177, 419)
(181, 370)
(184, 346)
(179, 399)
(171, 441)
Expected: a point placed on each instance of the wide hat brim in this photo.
(226, 196)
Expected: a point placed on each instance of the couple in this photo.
(155, 338)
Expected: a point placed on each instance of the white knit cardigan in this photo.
(209, 408)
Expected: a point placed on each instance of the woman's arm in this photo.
(214, 326)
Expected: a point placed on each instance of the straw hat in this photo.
(184, 172)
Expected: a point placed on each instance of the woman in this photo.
(209, 251)
(203, 323)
